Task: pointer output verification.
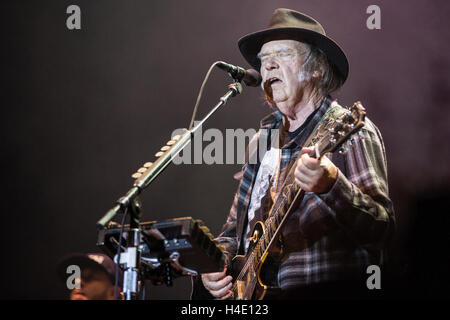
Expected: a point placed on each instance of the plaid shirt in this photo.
(332, 236)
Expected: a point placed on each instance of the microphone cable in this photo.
(199, 96)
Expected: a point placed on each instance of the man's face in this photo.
(95, 285)
(281, 65)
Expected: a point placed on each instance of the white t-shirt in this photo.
(264, 178)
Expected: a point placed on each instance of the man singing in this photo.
(346, 216)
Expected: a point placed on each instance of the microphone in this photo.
(250, 77)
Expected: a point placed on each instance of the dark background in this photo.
(83, 109)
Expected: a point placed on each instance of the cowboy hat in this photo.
(293, 25)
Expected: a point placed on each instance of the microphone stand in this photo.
(130, 201)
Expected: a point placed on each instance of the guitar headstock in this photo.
(339, 127)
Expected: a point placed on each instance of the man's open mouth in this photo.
(274, 80)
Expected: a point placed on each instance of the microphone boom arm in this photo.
(159, 165)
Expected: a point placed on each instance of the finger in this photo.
(304, 175)
(304, 186)
(311, 163)
(214, 276)
(305, 171)
(217, 285)
(221, 292)
(227, 295)
(307, 150)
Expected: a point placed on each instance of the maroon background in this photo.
(82, 110)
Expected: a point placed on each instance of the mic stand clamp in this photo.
(131, 257)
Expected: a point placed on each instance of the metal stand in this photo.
(130, 201)
(131, 257)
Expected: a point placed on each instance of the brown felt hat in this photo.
(293, 25)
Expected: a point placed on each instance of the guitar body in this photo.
(255, 281)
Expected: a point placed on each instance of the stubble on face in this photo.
(284, 81)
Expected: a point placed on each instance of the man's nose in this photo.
(270, 64)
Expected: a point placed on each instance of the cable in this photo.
(194, 113)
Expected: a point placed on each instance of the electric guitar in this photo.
(255, 273)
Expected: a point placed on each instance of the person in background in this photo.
(97, 276)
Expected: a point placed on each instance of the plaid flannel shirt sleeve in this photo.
(228, 237)
(359, 200)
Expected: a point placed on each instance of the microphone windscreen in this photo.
(252, 78)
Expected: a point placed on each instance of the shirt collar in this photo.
(275, 119)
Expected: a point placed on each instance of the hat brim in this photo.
(82, 261)
(251, 44)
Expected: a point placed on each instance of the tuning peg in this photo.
(176, 138)
(165, 148)
(343, 150)
(350, 142)
(159, 154)
(349, 125)
(142, 170)
(360, 105)
(136, 175)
